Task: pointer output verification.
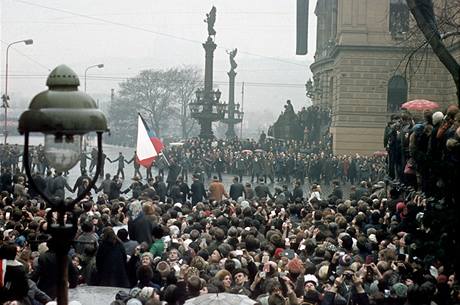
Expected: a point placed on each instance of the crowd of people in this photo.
(273, 234)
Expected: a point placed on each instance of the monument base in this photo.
(357, 140)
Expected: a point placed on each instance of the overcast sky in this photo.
(129, 36)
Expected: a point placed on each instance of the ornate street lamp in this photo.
(63, 114)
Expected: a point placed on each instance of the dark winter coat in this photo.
(198, 191)
(15, 283)
(236, 191)
(45, 274)
(111, 265)
(141, 228)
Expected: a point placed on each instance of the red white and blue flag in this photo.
(149, 146)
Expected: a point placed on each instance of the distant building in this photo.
(360, 44)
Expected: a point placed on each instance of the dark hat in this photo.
(241, 270)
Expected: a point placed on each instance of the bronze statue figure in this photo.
(210, 20)
(232, 55)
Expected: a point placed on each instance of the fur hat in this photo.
(311, 278)
(164, 268)
(146, 293)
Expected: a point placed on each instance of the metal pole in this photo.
(86, 70)
(242, 110)
(6, 93)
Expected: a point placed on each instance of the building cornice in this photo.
(369, 48)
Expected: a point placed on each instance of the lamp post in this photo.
(63, 115)
(93, 66)
(5, 97)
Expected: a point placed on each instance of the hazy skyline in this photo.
(130, 37)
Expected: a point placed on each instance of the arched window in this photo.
(397, 93)
(399, 17)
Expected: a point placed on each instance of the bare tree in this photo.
(437, 30)
(152, 94)
(187, 82)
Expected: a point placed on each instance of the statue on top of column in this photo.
(210, 20)
(232, 55)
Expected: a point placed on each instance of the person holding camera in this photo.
(346, 289)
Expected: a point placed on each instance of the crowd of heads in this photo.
(383, 242)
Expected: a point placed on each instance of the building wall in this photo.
(358, 67)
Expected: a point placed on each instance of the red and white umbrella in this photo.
(420, 105)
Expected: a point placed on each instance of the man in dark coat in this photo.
(173, 173)
(219, 165)
(197, 190)
(236, 189)
(59, 183)
(257, 168)
(79, 183)
(337, 191)
(45, 274)
(175, 192)
(115, 188)
(6, 180)
(290, 167)
(184, 189)
(262, 190)
(141, 228)
(121, 164)
(297, 192)
(160, 187)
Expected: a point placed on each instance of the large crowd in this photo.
(381, 234)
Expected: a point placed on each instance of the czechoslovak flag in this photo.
(148, 144)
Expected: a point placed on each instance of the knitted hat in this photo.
(278, 252)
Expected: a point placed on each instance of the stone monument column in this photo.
(231, 104)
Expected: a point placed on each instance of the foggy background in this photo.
(128, 37)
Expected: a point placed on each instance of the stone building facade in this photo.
(358, 73)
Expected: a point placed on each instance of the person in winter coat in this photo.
(13, 277)
(197, 191)
(111, 261)
(216, 190)
(141, 227)
(45, 273)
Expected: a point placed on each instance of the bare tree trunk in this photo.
(434, 39)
